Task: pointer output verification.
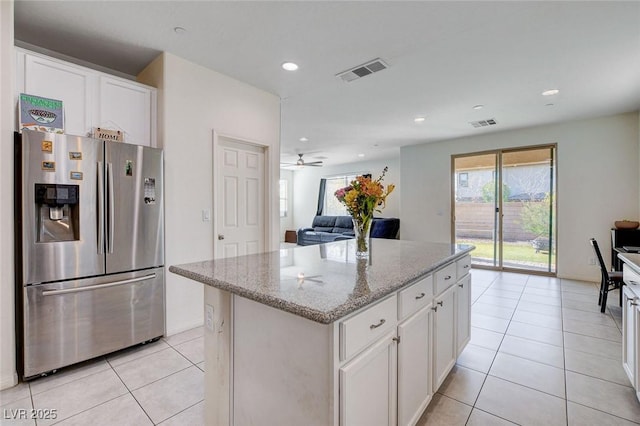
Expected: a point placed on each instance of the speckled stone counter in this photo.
(324, 282)
(631, 259)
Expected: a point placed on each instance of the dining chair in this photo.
(610, 280)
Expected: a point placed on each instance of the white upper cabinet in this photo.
(90, 98)
(68, 83)
(127, 106)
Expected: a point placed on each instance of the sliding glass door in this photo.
(504, 203)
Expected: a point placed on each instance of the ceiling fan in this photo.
(302, 163)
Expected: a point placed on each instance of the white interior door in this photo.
(240, 208)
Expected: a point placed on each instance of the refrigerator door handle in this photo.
(97, 287)
(112, 209)
(100, 208)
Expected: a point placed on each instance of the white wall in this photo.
(193, 101)
(8, 375)
(598, 183)
(288, 221)
(306, 183)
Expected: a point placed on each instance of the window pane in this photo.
(332, 207)
(283, 198)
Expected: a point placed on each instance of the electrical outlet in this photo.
(208, 317)
(206, 215)
(592, 261)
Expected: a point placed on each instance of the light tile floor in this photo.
(156, 383)
(541, 354)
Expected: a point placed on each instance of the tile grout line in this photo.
(564, 357)
(61, 370)
(563, 345)
(473, 406)
(494, 357)
(131, 392)
(33, 406)
(179, 412)
(520, 384)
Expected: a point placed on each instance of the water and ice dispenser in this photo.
(57, 212)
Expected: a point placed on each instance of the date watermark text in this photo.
(29, 413)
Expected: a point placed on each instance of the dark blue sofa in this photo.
(325, 229)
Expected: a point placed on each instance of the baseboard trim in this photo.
(9, 382)
(171, 332)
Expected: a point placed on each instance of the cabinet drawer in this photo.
(415, 297)
(364, 328)
(445, 278)
(463, 266)
(631, 278)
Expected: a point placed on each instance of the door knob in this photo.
(220, 237)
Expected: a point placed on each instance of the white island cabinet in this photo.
(631, 318)
(319, 338)
(90, 98)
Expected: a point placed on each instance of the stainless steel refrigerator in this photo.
(89, 248)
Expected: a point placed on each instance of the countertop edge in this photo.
(306, 312)
(633, 261)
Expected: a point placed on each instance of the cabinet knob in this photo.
(435, 308)
(466, 267)
(440, 303)
(220, 237)
(460, 285)
(448, 277)
(421, 296)
(396, 339)
(382, 321)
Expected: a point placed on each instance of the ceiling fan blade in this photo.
(314, 163)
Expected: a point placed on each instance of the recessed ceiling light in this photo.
(290, 66)
(360, 155)
(303, 139)
(179, 30)
(479, 106)
(419, 119)
(550, 92)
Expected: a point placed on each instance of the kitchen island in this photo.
(310, 335)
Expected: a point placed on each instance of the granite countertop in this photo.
(631, 259)
(323, 282)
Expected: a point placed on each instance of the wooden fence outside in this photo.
(476, 220)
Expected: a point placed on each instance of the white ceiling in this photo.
(443, 57)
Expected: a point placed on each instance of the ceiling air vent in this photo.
(483, 123)
(362, 70)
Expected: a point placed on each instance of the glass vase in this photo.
(362, 229)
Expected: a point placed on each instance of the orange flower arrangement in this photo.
(362, 198)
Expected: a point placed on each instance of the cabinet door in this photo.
(67, 83)
(368, 386)
(444, 336)
(128, 107)
(629, 313)
(463, 313)
(414, 366)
